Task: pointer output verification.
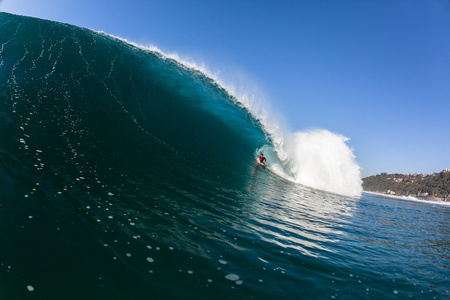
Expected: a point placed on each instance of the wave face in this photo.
(125, 174)
(95, 101)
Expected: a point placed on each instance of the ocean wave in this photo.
(88, 80)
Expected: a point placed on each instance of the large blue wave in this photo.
(74, 97)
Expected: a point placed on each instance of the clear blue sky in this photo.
(377, 72)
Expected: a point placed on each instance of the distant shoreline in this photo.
(426, 187)
(414, 198)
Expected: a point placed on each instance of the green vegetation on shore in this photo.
(422, 185)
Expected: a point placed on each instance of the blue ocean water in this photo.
(125, 174)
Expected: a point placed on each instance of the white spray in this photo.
(322, 160)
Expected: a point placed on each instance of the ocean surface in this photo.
(128, 174)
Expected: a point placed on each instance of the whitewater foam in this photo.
(321, 159)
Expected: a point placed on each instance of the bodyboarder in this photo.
(262, 160)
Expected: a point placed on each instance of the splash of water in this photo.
(321, 159)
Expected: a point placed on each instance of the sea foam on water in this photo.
(322, 160)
